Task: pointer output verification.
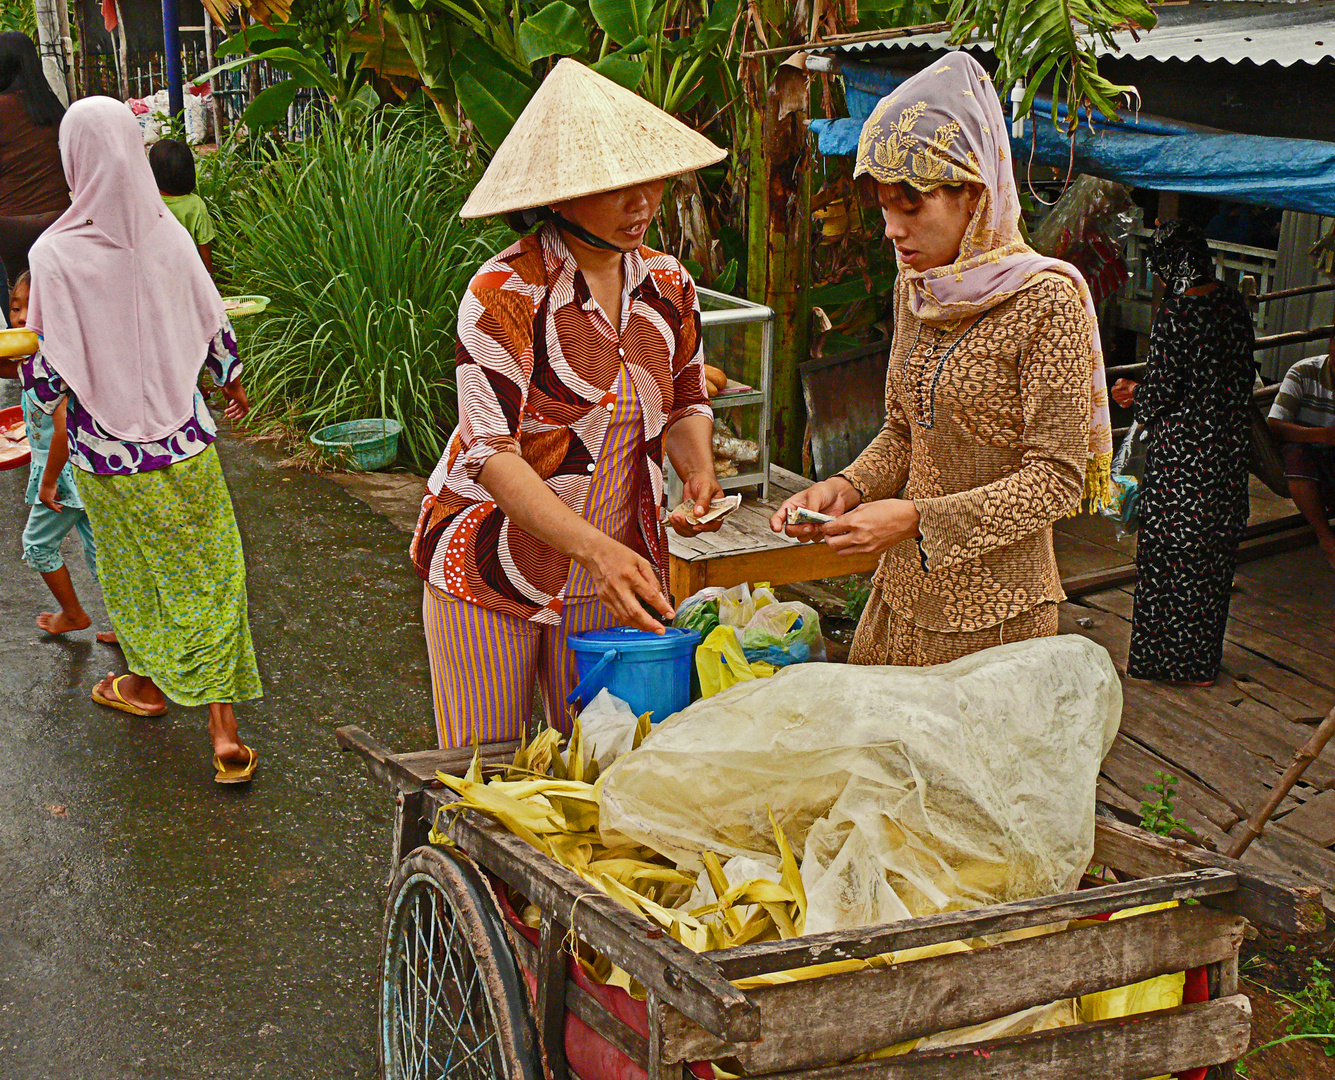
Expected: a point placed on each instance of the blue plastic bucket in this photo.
(365, 445)
(649, 672)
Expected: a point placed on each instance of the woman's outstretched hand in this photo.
(834, 496)
(237, 402)
(623, 580)
(699, 491)
(873, 527)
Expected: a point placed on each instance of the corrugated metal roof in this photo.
(1262, 31)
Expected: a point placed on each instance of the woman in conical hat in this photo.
(996, 410)
(580, 365)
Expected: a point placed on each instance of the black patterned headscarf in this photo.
(1180, 256)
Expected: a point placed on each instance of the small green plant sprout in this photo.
(1314, 1008)
(856, 593)
(1156, 815)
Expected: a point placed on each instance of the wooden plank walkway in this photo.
(1229, 744)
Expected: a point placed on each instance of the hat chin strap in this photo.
(579, 232)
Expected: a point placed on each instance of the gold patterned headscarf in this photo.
(945, 126)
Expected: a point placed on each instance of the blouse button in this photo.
(590, 466)
(622, 352)
(611, 405)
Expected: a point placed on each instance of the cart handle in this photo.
(593, 681)
(379, 759)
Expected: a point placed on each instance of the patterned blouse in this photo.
(95, 450)
(987, 432)
(538, 364)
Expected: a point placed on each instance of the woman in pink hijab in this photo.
(996, 410)
(128, 315)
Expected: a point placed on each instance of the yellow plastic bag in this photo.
(1160, 992)
(721, 663)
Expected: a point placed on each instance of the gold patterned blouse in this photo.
(987, 431)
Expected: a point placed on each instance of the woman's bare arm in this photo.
(621, 577)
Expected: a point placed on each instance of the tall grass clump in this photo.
(356, 240)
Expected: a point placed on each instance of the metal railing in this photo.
(146, 72)
(233, 92)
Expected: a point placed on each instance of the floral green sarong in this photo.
(174, 578)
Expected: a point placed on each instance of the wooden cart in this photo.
(453, 1000)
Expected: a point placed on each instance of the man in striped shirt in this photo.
(1303, 419)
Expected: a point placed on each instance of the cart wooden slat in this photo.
(836, 1017)
(1128, 1048)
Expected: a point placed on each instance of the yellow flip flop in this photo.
(236, 774)
(119, 702)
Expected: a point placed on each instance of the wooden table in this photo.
(745, 549)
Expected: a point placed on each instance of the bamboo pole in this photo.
(779, 232)
(852, 39)
(1302, 290)
(1306, 754)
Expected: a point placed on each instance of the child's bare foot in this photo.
(107, 637)
(60, 622)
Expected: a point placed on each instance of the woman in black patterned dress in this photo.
(1193, 509)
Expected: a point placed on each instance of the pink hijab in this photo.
(945, 126)
(120, 295)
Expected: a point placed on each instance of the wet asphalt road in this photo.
(152, 923)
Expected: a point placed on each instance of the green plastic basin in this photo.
(364, 445)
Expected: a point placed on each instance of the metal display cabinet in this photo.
(727, 326)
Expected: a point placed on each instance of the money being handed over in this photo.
(800, 515)
(719, 508)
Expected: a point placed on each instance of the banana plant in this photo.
(320, 51)
(1040, 39)
(266, 12)
(487, 59)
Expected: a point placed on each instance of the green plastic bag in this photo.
(756, 635)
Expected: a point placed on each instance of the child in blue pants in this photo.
(46, 528)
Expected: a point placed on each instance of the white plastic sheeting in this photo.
(904, 791)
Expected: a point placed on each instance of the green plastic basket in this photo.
(241, 306)
(363, 445)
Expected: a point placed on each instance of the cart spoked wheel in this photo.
(453, 1004)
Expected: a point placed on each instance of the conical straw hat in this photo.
(582, 134)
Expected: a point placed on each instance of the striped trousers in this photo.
(484, 665)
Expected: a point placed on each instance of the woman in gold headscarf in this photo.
(996, 410)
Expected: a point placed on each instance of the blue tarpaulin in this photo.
(1291, 174)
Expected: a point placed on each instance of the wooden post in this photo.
(118, 46)
(551, 972)
(658, 1068)
(214, 105)
(85, 85)
(66, 49)
(1224, 983)
(779, 222)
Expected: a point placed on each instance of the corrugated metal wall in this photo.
(1297, 234)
